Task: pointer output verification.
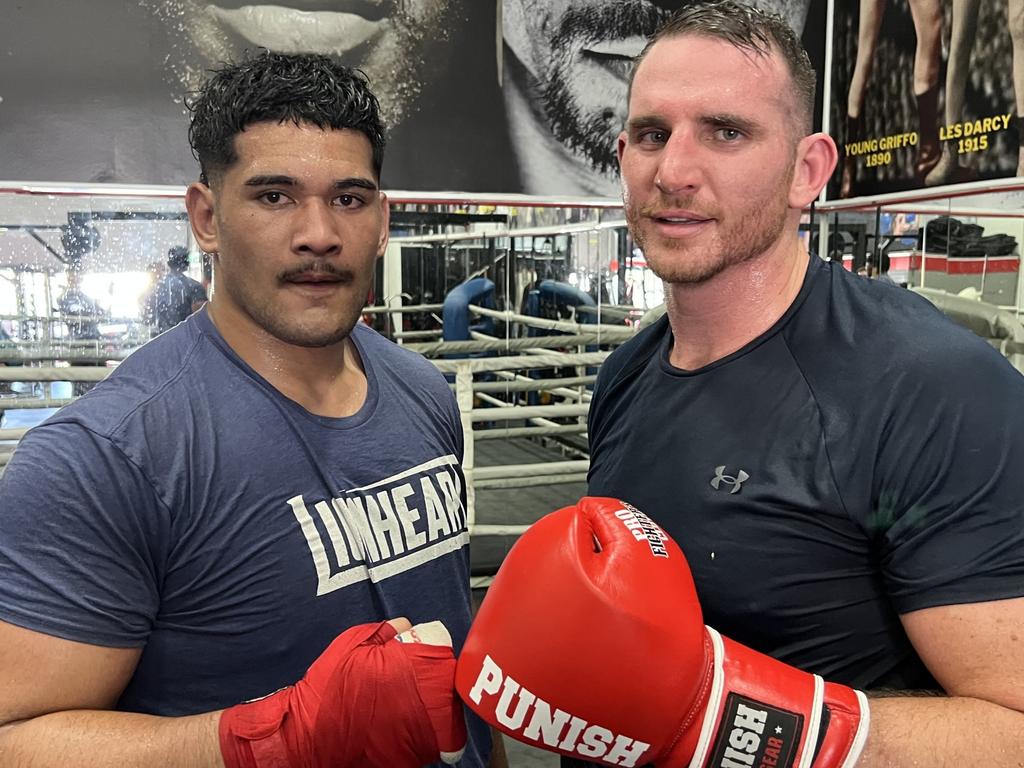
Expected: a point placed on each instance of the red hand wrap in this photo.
(368, 700)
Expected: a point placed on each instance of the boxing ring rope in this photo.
(379, 308)
(517, 475)
(92, 350)
(16, 404)
(69, 373)
(507, 432)
(493, 344)
(507, 412)
(520, 383)
(614, 332)
(431, 334)
(526, 384)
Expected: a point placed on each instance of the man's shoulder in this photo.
(857, 339)
(146, 376)
(877, 325)
(397, 360)
(634, 353)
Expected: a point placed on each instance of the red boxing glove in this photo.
(368, 700)
(591, 643)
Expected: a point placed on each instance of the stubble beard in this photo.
(311, 334)
(690, 263)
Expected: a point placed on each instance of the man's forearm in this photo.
(943, 733)
(498, 757)
(96, 739)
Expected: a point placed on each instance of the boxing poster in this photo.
(925, 93)
(565, 75)
(94, 91)
(480, 96)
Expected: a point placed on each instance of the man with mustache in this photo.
(198, 561)
(838, 461)
(566, 67)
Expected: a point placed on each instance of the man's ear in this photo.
(620, 146)
(816, 157)
(199, 201)
(385, 225)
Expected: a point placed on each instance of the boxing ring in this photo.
(522, 381)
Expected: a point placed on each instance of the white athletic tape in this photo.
(430, 633)
(451, 758)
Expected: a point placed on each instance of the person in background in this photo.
(175, 295)
(81, 312)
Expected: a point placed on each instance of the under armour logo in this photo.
(736, 482)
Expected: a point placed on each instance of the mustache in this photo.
(315, 268)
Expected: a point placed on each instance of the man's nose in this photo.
(316, 229)
(680, 167)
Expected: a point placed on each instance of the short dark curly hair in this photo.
(275, 87)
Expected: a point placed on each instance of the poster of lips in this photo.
(479, 95)
(93, 91)
(925, 93)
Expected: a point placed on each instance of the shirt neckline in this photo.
(366, 410)
(665, 347)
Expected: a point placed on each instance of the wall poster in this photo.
(926, 93)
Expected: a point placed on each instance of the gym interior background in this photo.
(517, 285)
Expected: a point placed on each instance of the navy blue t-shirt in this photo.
(186, 507)
(859, 460)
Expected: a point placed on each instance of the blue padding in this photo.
(455, 313)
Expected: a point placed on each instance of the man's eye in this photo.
(729, 134)
(272, 197)
(349, 201)
(653, 137)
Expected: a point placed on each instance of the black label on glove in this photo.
(752, 734)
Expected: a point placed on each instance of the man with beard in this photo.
(838, 462)
(198, 560)
(566, 68)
